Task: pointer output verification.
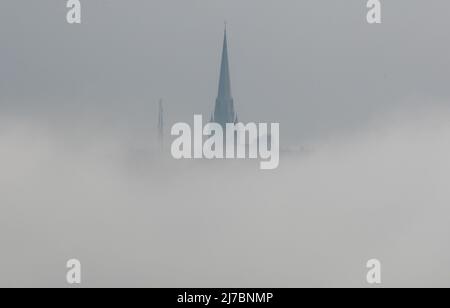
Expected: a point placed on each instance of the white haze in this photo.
(135, 220)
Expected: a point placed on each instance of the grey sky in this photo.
(315, 66)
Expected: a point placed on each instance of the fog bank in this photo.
(134, 219)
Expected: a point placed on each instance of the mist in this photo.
(364, 137)
(140, 218)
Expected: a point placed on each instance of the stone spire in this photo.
(224, 109)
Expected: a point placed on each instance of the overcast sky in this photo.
(370, 102)
(315, 66)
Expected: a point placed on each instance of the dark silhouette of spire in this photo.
(224, 109)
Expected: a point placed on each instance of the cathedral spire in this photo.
(224, 109)
(224, 81)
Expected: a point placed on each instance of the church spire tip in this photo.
(224, 109)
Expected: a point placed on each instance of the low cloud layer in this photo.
(134, 219)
